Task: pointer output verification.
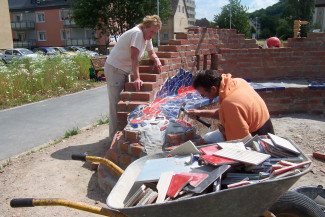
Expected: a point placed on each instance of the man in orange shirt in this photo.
(241, 111)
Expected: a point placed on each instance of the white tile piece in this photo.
(237, 145)
(283, 143)
(185, 149)
(244, 156)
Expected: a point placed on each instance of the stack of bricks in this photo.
(227, 52)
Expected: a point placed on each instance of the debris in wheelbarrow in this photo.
(241, 189)
(229, 165)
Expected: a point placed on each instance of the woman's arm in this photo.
(153, 56)
(135, 68)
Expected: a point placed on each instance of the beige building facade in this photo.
(178, 22)
(190, 6)
(5, 30)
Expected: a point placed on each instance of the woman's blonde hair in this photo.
(149, 21)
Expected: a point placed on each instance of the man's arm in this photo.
(153, 56)
(135, 68)
(207, 113)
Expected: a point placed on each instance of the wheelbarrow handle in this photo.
(112, 166)
(21, 202)
(31, 202)
(80, 157)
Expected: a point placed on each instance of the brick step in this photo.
(148, 77)
(137, 96)
(146, 86)
(164, 61)
(129, 106)
(152, 69)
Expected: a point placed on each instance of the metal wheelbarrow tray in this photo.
(249, 200)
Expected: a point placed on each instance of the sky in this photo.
(208, 8)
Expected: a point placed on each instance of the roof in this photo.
(32, 5)
(175, 4)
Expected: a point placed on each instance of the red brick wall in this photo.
(227, 52)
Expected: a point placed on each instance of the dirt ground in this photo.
(50, 172)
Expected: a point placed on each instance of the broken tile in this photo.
(177, 184)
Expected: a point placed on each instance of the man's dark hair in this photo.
(206, 79)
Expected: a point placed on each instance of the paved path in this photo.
(25, 127)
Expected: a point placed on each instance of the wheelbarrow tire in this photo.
(294, 204)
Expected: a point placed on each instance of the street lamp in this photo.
(158, 37)
(230, 13)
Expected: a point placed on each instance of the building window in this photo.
(21, 36)
(64, 14)
(165, 35)
(183, 9)
(18, 17)
(65, 34)
(41, 35)
(179, 8)
(40, 17)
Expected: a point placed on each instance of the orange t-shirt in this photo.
(242, 111)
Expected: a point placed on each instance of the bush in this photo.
(24, 81)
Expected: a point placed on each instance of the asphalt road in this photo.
(25, 127)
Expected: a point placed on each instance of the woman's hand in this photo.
(157, 64)
(137, 84)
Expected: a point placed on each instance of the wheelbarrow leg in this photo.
(31, 202)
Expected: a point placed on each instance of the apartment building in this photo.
(36, 23)
(5, 30)
(178, 22)
(190, 6)
(47, 23)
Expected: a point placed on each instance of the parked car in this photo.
(81, 50)
(63, 51)
(48, 51)
(9, 54)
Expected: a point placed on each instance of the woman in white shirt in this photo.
(124, 58)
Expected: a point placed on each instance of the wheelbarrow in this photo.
(249, 200)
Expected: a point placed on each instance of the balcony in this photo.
(81, 42)
(25, 44)
(69, 23)
(23, 25)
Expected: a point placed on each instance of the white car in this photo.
(82, 50)
(9, 54)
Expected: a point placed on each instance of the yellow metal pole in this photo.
(116, 169)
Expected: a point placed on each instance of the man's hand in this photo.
(157, 64)
(137, 84)
(192, 113)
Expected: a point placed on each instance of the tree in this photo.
(239, 17)
(202, 22)
(270, 23)
(113, 17)
(300, 10)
